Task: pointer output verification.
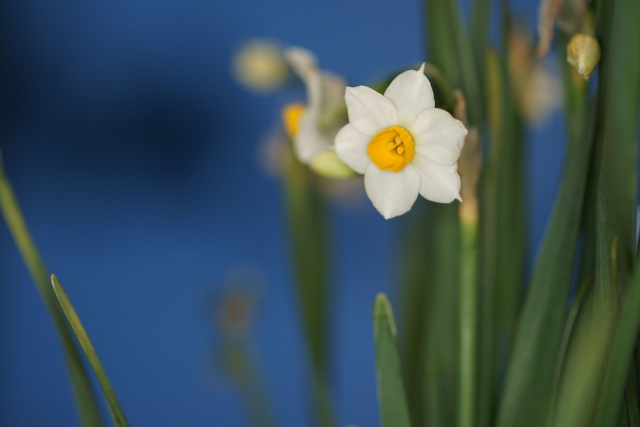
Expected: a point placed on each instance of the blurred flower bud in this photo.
(583, 53)
(259, 66)
(329, 165)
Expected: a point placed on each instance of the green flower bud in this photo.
(328, 164)
(583, 52)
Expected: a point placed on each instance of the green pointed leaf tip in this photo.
(117, 415)
(383, 313)
(83, 393)
(394, 410)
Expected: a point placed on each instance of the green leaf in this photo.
(503, 225)
(112, 401)
(619, 124)
(440, 39)
(580, 377)
(429, 329)
(308, 234)
(567, 337)
(83, 392)
(617, 202)
(451, 50)
(392, 398)
(529, 383)
(621, 354)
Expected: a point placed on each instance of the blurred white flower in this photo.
(538, 89)
(259, 66)
(540, 95)
(402, 144)
(313, 136)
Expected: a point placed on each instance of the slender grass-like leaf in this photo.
(511, 235)
(440, 40)
(430, 271)
(117, 415)
(466, 62)
(84, 394)
(580, 378)
(568, 334)
(526, 396)
(394, 410)
(503, 224)
(440, 343)
(417, 263)
(480, 21)
(617, 198)
(488, 232)
(308, 235)
(450, 50)
(621, 354)
(619, 118)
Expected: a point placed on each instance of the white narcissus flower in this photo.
(402, 144)
(313, 139)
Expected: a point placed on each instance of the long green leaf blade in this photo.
(84, 394)
(112, 401)
(621, 354)
(308, 234)
(525, 399)
(394, 410)
(617, 202)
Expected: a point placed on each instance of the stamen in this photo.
(391, 149)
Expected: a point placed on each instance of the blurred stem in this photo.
(307, 228)
(468, 318)
(85, 399)
(241, 359)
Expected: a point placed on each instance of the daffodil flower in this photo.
(313, 139)
(402, 144)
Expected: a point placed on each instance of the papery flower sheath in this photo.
(402, 144)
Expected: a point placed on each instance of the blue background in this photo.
(134, 156)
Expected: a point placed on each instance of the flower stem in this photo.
(84, 394)
(468, 318)
(307, 229)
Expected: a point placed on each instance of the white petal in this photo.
(392, 193)
(438, 183)
(369, 111)
(412, 93)
(351, 147)
(303, 63)
(333, 87)
(438, 136)
(301, 60)
(310, 140)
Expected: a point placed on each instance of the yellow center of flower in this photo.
(291, 115)
(391, 149)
